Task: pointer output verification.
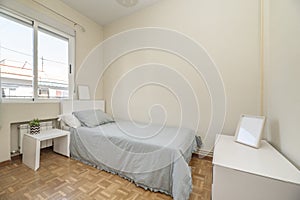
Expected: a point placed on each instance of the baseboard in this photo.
(4, 163)
(12, 160)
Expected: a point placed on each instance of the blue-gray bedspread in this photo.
(153, 157)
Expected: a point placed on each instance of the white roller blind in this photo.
(30, 13)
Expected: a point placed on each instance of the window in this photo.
(16, 61)
(35, 60)
(53, 65)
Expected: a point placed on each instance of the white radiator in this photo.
(25, 128)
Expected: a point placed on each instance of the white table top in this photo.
(49, 134)
(265, 161)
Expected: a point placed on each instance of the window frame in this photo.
(35, 24)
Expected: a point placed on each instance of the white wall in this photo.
(85, 41)
(282, 73)
(229, 30)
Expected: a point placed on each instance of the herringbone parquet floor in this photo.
(62, 178)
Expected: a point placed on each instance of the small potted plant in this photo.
(34, 126)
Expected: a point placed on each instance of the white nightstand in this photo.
(32, 144)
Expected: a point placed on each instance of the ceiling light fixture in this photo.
(127, 3)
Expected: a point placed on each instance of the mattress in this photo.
(154, 157)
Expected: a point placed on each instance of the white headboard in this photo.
(69, 106)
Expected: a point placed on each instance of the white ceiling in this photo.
(105, 11)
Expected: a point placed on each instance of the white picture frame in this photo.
(249, 130)
(83, 92)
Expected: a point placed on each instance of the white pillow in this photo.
(70, 120)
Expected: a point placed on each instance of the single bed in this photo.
(151, 156)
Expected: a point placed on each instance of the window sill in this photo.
(23, 101)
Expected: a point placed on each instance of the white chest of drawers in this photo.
(245, 173)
